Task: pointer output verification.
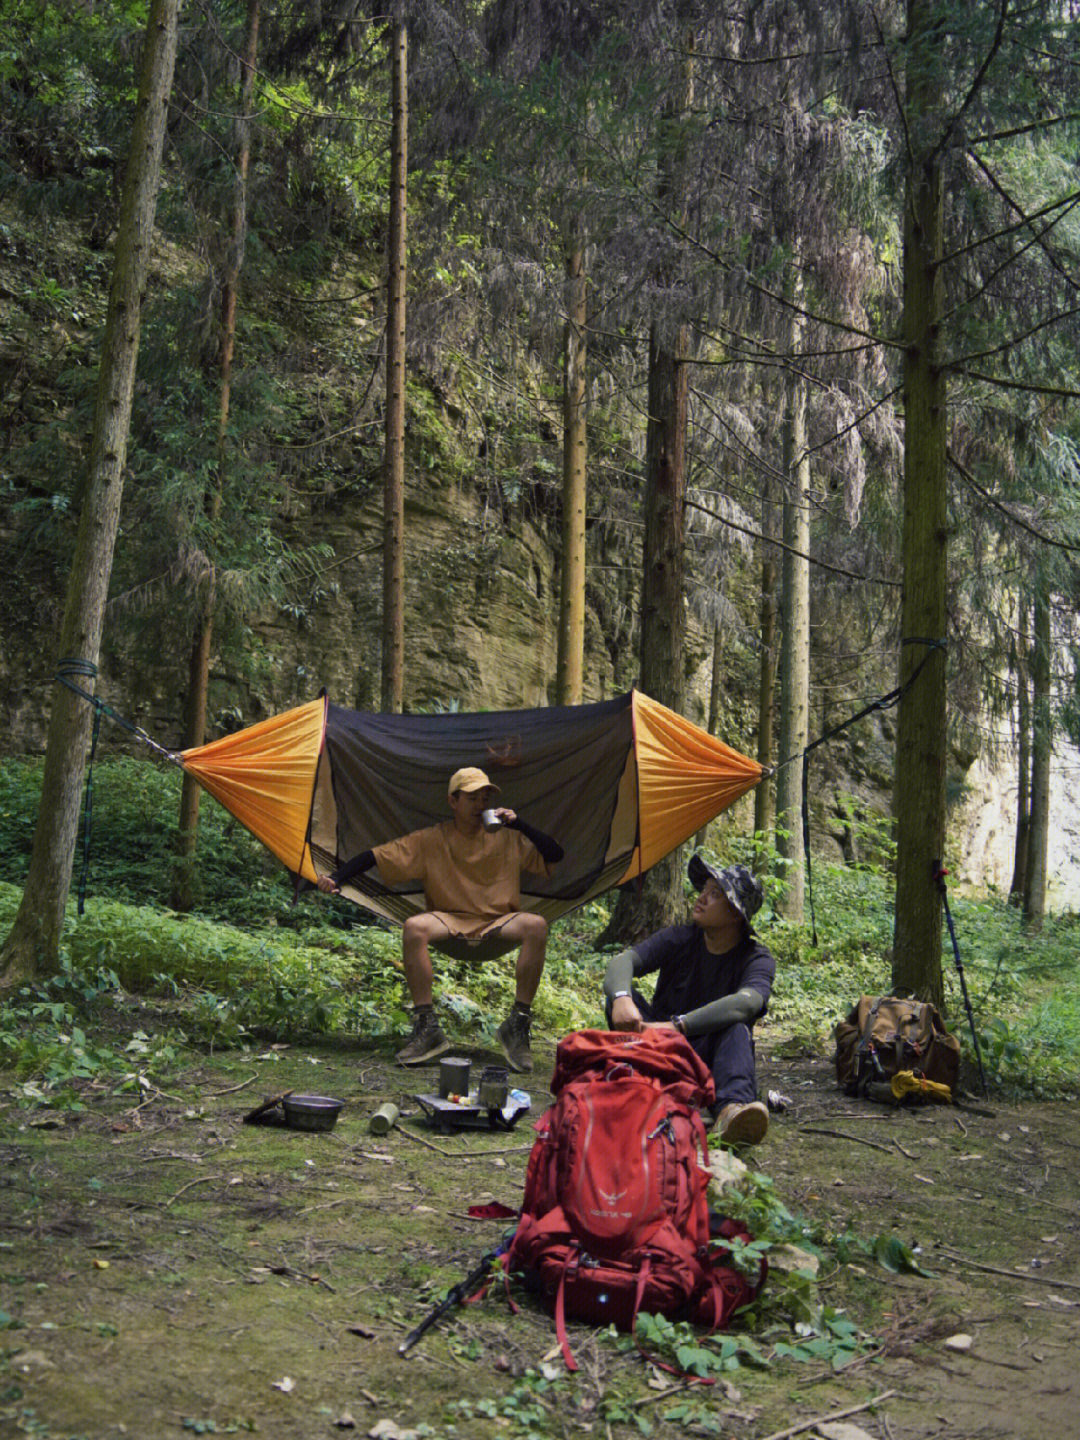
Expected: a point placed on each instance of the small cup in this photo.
(489, 819)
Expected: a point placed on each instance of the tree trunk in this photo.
(764, 810)
(657, 900)
(393, 653)
(794, 646)
(919, 794)
(647, 905)
(1023, 762)
(199, 667)
(1041, 748)
(571, 653)
(32, 947)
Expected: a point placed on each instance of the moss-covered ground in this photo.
(167, 1269)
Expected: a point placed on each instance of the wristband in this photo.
(680, 1024)
(619, 994)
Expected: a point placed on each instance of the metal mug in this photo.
(453, 1076)
(489, 819)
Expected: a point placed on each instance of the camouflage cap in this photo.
(741, 888)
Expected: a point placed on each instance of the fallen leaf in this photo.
(28, 1360)
(100, 1264)
(285, 1385)
(362, 1331)
(388, 1430)
(841, 1430)
(345, 1421)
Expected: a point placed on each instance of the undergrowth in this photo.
(253, 962)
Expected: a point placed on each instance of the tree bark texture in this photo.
(919, 792)
(571, 651)
(32, 947)
(199, 668)
(794, 718)
(1041, 749)
(393, 654)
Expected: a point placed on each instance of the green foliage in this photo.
(136, 802)
(43, 1041)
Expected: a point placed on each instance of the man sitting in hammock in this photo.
(472, 889)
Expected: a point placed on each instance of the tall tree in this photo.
(658, 899)
(794, 709)
(393, 619)
(32, 946)
(1021, 843)
(199, 661)
(571, 652)
(919, 797)
(1041, 750)
(764, 808)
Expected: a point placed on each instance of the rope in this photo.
(884, 702)
(65, 669)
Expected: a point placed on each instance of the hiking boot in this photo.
(743, 1124)
(426, 1041)
(513, 1038)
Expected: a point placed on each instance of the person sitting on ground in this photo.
(714, 981)
(472, 889)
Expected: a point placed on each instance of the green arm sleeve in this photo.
(743, 1007)
(619, 974)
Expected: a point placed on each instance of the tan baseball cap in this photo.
(468, 779)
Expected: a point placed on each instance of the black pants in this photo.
(729, 1054)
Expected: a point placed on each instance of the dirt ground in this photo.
(166, 1269)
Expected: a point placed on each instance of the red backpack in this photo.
(615, 1218)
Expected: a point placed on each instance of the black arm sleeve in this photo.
(356, 866)
(551, 852)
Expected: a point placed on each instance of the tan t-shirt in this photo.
(472, 882)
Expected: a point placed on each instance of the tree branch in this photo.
(1003, 509)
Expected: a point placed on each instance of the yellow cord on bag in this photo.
(904, 1082)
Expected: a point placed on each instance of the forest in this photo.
(520, 353)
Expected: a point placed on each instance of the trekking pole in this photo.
(939, 880)
(457, 1294)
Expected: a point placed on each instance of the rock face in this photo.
(481, 631)
(984, 826)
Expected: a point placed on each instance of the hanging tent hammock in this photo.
(618, 784)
